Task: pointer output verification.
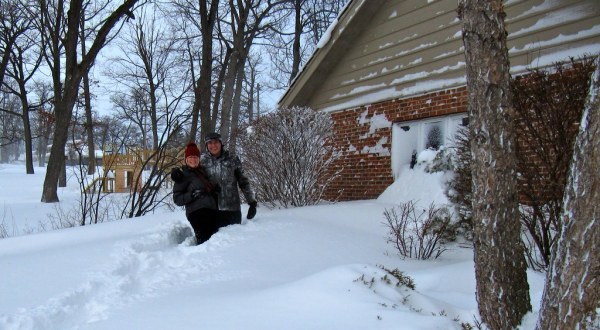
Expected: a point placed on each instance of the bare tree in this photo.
(500, 267)
(24, 61)
(60, 23)
(248, 20)
(571, 297)
(14, 22)
(11, 129)
(133, 108)
(292, 44)
(147, 65)
(198, 26)
(149, 195)
(87, 104)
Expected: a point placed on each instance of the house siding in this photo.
(413, 47)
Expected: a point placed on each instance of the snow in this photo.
(317, 267)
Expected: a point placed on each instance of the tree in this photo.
(11, 130)
(500, 267)
(199, 22)
(290, 49)
(571, 297)
(147, 68)
(248, 20)
(14, 22)
(133, 109)
(24, 61)
(87, 104)
(64, 59)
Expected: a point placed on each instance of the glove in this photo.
(251, 210)
(196, 194)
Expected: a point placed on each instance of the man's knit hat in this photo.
(212, 136)
(192, 150)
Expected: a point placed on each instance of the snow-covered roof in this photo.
(386, 49)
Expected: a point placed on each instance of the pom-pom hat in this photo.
(192, 150)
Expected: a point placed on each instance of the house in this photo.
(392, 74)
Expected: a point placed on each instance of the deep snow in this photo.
(301, 268)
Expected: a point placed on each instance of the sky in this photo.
(315, 267)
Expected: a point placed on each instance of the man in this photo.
(226, 169)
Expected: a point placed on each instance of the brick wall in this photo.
(363, 137)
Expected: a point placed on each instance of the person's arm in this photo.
(181, 195)
(244, 182)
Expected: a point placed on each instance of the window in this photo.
(416, 136)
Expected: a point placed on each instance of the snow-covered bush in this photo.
(459, 190)
(287, 155)
(419, 234)
(442, 161)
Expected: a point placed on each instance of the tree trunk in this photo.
(235, 109)
(56, 161)
(89, 124)
(28, 138)
(500, 267)
(296, 46)
(228, 92)
(572, 296)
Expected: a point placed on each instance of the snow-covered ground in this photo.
(318, 267)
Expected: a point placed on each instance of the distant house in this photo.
(392, 74)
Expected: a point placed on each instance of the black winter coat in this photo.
(228, 173)
(187, 180)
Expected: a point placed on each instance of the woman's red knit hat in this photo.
(192, 150)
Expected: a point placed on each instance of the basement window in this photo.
(416, 136)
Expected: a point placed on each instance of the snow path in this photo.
(137, 270)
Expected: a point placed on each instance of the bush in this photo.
(548, 110)
(287, 155)
(419, 235)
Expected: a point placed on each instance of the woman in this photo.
(194, 190)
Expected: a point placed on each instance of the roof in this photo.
(386, 49)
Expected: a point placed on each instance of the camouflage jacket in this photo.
(227, 172)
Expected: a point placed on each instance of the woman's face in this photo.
(192, 161)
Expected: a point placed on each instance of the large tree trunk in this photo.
(500, 267)
(572, 295)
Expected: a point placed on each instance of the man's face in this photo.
(214, 147)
